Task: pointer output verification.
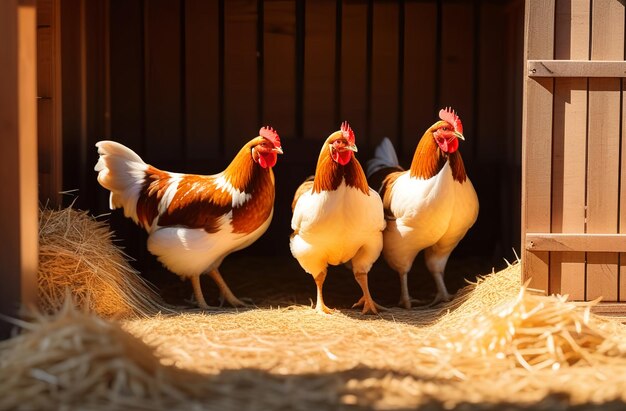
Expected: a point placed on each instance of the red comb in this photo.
(450, 116)
(270, 134)
(347, 132)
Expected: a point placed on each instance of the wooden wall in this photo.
(186, 82)
(574, 163)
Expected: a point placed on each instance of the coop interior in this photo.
(185, 83)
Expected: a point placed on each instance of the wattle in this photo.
(342, 157)
(448, 145)
(268, 159)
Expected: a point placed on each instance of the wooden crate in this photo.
(573, 188)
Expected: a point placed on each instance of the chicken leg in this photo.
(320, 307)
(225, 292)
(405, 299)
(366, 300)
(442, 291)
(197, 290)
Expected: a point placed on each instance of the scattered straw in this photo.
(497, 342)
(76, 253)
(77, 360)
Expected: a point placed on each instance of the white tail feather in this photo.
(384, 156)
(121, 171)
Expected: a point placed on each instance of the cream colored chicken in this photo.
(338, 219)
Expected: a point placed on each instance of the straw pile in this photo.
(75, 360)
(76, 253)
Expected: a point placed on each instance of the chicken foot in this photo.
(405, 299)
(442, 291)
(225, 292)
(320, 307)
(366, 300)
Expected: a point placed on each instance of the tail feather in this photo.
(384, 156)
(123, 172)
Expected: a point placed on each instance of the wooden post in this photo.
(18, 158)
(537, 133)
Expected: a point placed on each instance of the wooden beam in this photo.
(18, 158)
(536, 242)
(576, 68)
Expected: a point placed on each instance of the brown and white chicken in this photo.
(337, 218)
(195, 221)
(429, 207)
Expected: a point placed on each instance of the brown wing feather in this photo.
(386, 190)
(304, 187)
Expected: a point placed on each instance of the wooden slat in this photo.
(162, 70)
(127, 75)
(567, 270)
(420, 43)
(457, 70)
(279, 66)
(492, 69)
(202, 80)
(383, 121)
(536, 242)
(622, 196)
(576, 68)
(537, 126)
(353, 61)
(241, 116)
(45, 12)
(319, 70)
(45, 60)
(18, 158)
(607, 42)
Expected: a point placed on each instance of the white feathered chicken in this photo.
(429, 207)
(195, 221)
(337, 218)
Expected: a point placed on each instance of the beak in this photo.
(352, 148)
(278, 150)
(459, 135)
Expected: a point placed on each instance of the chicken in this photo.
(194, 221)
(429, 207)
(337, 218)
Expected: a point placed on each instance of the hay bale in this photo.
(76, 360)
(76, 253)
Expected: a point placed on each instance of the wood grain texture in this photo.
(319, 70)
(353, 106)
(162, 79)
(18, 158)
(419, 99)
(457, 70)
(127, 74)
(279, 66)
(383, 121)
(536, 150)
(241, 116)
(576, 68)
(607, 42)
(202, 80)
(569, 149)
(575, 242)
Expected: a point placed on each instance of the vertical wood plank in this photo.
(419, 100)
(567, 270)
(319, 69)
(384, 101)
(607, 43)
(622, 196)
(162, 81)
(202, 79)
(457, 69)
(127, 74)
(279, 66)
(241, 115)
(537, 147)
(353, 60)
(491, 113)
(18, 158)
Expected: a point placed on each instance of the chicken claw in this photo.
(369, 306)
